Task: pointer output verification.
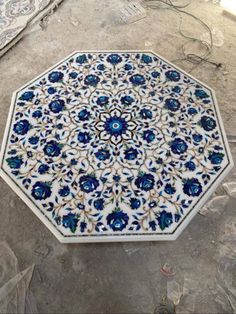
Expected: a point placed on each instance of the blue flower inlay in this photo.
(91, 80)
(27, 96)
(192, 187)
(137, 79)
(41, 190)
(165, 219)
(117, 220)
(131, 153)
(22, 127)
(52, 149)
(55, 76)
(88, 183)
(145, 181)
(114, 58)
(207, 123)
(173, 75)
(57, 105)
(14, 162)
(178, 146)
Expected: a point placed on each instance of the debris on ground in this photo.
(174, 291)
(230, 188)
(14, 285)
(132, 12)
(167, 270)
(215, 205)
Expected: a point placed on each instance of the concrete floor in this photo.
(124, 277)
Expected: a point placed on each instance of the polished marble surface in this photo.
(114, 146)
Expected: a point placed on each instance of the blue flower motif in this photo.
(102, 100)
(145, 181)
(128, 67)
(153, 225)
(178, 146)
(101, 67)
(57, 105)
(173, 75)
(88, 183)
(149, 136)
(84, 137)
(65, 191)
(172, 104)
(51, 90)
(103, 154)
(43, 169)
(14, 162)
(207, 123)
(70, 221)
(137, 79)
(37, 114)
(200, 93)
(55, 76)
(73, 75)
(52, 148)
(33, 140)
(84, 115)
(131, 153)
(146, 59)
(135, 203)
(91, 80)
(99, 204)
(117, 220)
(165, 219)
(155, 74)
(22, 127)
(81, 59)
(169, 189)
(176, 89)
(192, 187)
(83, 226)
(197, 137)
(216, 158)
(114, 58)
(192, 111)
(146, 113)
(190, 165)
(127, 100)
(41, 190)
(115, 126)
(27, 96)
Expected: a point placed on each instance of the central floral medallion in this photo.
(115, 126)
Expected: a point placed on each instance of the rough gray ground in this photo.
(124, 277)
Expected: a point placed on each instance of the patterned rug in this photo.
(115, 146)
(16, 15)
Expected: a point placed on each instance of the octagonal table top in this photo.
(114, 146)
